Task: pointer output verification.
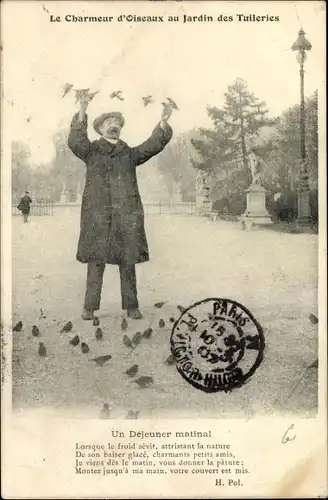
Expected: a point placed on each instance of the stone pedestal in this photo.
(303, 201)
(256, 211)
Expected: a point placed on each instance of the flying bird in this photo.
(132, 415)
(117, 94)
(99, 334)
(124, 324)
(105, 412)
(44, 8)
(101, 360)
(75, 340)
(160, 304)
(172, 103)
(66, 88)
(144, 381)
(67, 328)
(313, 319)
(136, 338)
(35, 331)
(147, 333)
(132, 371)
(18, 327)
(161, 323)
(42, 350)
(95, 321)
(170, 360)
(79, 93)
(147, 100)
(28, 119)
(127, 341)
(85, 348)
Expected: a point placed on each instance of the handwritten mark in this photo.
(286, 437)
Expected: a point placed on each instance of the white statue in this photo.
(254, 164)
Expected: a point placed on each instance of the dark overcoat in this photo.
(24, 205)
(112, 218)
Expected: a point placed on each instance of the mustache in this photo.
(113, 129)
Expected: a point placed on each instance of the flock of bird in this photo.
(132, 343)
(116, 94)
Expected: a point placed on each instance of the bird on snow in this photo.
(132, 371)
(75, 340)
(161, 323)
(101, 360)
(18, 327)
(172, 319)
(144, 381)
(159, 304)
(127, 341)
(117, 94)
(124, 324)
(66, 88)
(147, 100)
(181, 309)
(170, 360)
(67, 328)
(85, 348)
(99, 334)
(35, 331)
(132, 415)
(136, 338)
(42, 350)
(313, 319)
(95, 321)
(105, 411)
(147, 333)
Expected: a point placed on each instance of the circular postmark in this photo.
(218, 344)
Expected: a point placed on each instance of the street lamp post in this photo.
(303, 199)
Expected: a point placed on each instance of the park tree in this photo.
(20, 168)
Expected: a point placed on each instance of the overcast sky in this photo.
(191, 62)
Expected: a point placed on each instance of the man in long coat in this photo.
(24, 205)
(112, 217)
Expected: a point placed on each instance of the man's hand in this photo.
(84, 103)
(166, 113)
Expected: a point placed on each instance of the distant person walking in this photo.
(24, 205)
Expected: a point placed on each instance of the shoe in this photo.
(134, 314)
(87, 315)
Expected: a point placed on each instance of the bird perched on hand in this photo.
(18, 327)
(42, 350)
(172, 103)
(132, 371)
(67, 328)
(99, 334)
(101, 360)
(136, 338)
(35, 331)
(85, 348)
(127, 341)
(147, 100)
(79, 93)
(92, 94)
(132, 415)
(75, 340)
(105, 412)
(147, 333)
(144, 381)
(66, 88)
(117, 94)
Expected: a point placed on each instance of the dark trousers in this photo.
(95, 275)
(25, 217)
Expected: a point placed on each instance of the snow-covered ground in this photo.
(274, 275)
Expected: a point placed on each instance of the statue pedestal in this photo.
(256, 211)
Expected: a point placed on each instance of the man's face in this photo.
(110, 128)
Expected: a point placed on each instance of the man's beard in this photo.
(113, 133)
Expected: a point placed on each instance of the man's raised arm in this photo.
(78, 141)
(161, 135)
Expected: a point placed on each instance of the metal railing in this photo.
(167, 207)
(38, 208)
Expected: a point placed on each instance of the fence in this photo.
(158, 207)
(39, 208)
